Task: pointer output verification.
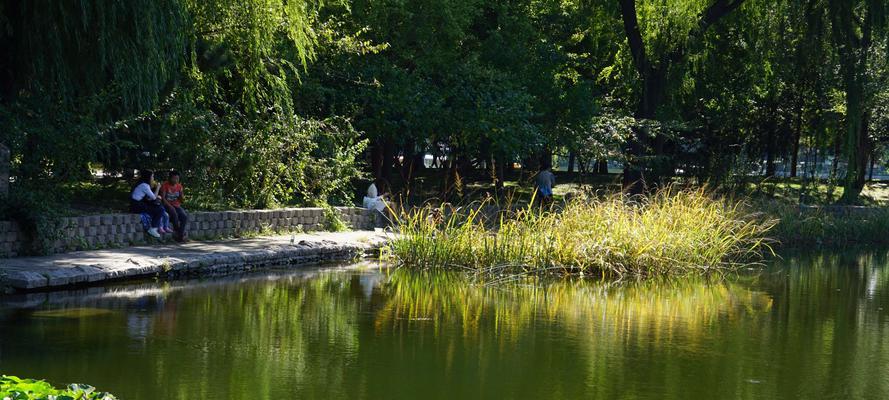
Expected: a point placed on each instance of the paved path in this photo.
(28, 273)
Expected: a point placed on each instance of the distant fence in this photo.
(121, 230)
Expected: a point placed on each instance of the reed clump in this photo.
(672, 232)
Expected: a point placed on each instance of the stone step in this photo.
(196, 258)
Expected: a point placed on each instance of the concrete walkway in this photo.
(29, 273)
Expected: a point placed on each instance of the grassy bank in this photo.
(670, 233)
(799, 228)
(15, 388)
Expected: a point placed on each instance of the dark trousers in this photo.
(155, 211)
(179, 218)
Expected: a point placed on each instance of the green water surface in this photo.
(811, 327)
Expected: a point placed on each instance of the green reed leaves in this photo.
(669, 233)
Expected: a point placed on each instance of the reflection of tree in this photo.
(269, 332)
(247, 339)
(829, 320)
(811, 328)
(786, 332)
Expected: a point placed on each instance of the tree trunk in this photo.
(653, 75)
(376, 158)
(388, 160)
(855, 143)
(853, 51)
(546, 159)
(794, 148)
(870, 175)
(602, 166)
(814, 175)
(770, 153)
(837, 148)
(571, 159)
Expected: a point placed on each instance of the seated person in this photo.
(172, 195)
(165, 223)
(144, 200)
(374, 200)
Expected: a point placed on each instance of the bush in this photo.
(237, 160)
(332, 220)
(14, 388)
(37, 213)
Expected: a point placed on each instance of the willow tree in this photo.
(107, 81)
(660, 36)
(858, 27)
(261, 44)
(68, 68)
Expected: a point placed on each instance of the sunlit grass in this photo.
(795, 191)
(668, 233)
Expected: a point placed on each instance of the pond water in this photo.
(806, 327)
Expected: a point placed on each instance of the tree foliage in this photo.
(202, 86)
(259, 100)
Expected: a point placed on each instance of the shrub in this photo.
(332, 220)
(37, 213)
(14, 388)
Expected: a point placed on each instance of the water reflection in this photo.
(808, 327)
(453, 300)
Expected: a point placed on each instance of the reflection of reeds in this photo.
(669, 233)
(444, 300)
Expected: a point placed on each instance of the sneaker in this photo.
(153, 232)
(167, 230)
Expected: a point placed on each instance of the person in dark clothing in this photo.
(144, 200)
(545, 182)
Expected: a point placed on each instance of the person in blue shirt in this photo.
(545, 181)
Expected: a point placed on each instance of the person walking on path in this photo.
(144, 200)
(545, 181)
(172, 195)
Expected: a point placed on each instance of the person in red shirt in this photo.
(171, 195)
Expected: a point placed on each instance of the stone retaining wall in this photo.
(121, 230)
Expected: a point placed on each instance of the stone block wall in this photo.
(121, 230)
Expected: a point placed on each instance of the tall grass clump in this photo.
(668, 233)
(821, 226)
